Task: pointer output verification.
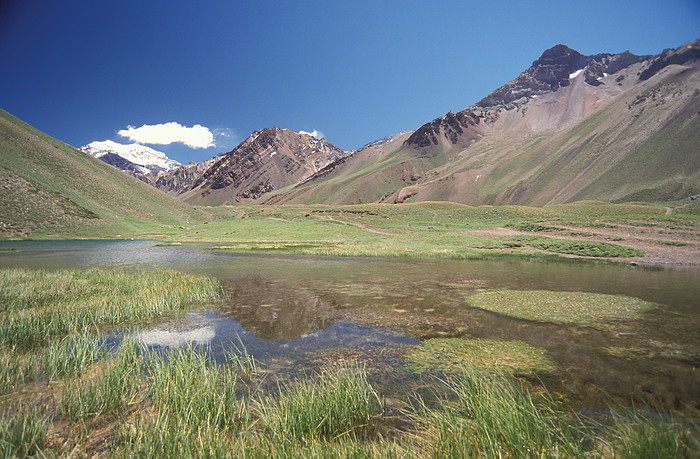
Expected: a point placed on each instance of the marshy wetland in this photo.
(130, 347)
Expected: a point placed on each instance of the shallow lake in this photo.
(294, 312)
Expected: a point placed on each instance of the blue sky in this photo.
(354, 71)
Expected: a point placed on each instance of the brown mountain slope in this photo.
(571, 127)
(267, 160)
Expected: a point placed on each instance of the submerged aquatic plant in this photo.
(560, 307)
(452, 354)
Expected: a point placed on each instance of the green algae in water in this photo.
(454, 354)
(560, 307)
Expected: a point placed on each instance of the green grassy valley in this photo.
(52, 191)
(122, 363)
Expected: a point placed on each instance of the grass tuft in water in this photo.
(339, 403)
(23, 433)
(487, 415)
(650, 435)
(194, 391)
(40, 305)
(113, 389)
(65, 358)
(72, 356)
(195, 407)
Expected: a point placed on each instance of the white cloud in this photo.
(314, 133)
(226, 138)
(224, 132)
(196, 136)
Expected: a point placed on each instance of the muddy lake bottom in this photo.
(295, 314)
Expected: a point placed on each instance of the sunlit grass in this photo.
(339, 403)
(576, 247)
(196, 407)
(113, 390)
(23, 433)
(649, 434)
(437, 230)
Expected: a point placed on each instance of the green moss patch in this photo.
(453, 354)
(579, 248)
(560, 307)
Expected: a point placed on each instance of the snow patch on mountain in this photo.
(575, 74)
(147, 158)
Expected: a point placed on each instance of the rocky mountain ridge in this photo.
(556, 68)
(269, 159)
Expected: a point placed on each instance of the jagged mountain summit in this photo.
(557, 68)
(570, 127)
(269, 159)
(133, 158)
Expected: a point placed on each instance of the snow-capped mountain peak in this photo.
(145, 159)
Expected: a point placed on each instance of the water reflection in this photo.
(220, 334)
(176, 337)
(274, 310)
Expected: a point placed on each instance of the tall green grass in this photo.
(651, 435)
(115, 389)
(62, 358)
(195, 391)
(195, 408)
(182, 404)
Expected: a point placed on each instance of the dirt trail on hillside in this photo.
(359, 225)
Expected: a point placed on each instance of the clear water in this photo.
(289, 310)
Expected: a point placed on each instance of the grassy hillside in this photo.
(50, 189)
